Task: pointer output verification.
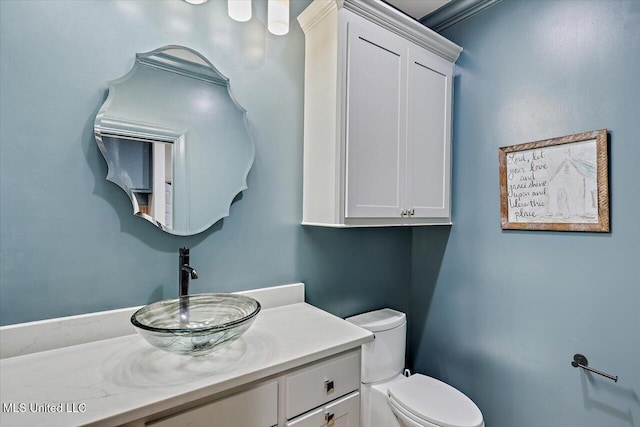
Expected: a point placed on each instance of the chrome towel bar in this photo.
(580, 361)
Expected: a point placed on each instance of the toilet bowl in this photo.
(391, 399)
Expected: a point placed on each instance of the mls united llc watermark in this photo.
(39, 407)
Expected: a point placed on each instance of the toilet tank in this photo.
(383, 358)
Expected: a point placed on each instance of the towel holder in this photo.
(580, 361)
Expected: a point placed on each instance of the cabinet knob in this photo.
(328, 386)
(330, 418)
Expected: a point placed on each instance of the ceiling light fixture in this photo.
(239, 10)
(277, 13)
(278, 17)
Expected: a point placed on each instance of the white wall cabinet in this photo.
(378, 90)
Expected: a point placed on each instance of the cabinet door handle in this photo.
(330, 418)
(403, 213)
(328, 386)
(412, 212)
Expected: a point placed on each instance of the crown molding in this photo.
(454, 12)
(387, 17)
(405, 26)
(316, 12)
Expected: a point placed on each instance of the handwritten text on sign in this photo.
(553, 184)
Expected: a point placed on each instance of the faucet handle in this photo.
(192, 271)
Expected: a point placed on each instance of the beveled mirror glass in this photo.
(175, 140)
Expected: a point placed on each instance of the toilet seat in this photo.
(427, 401)
(407, 419)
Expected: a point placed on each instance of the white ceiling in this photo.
(417, 8)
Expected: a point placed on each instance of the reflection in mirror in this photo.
(146, 169)
(175, 140)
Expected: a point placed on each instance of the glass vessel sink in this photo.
(195, 324)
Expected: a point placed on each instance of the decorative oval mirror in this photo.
(175, 140)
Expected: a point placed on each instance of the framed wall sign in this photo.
(556, 184)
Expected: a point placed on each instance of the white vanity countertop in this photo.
(118, 380)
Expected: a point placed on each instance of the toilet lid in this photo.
(436, 402)
(379, 320)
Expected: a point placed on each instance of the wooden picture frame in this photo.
(559, 184)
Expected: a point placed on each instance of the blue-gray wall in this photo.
(68, 241)
(499, 314)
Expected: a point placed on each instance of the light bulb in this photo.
(278, 17)
(196, 1)
(239, 10)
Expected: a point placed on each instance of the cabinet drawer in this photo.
(311, 387)
(257, 407)
(343, 412)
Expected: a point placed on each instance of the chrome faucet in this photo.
(185, 272)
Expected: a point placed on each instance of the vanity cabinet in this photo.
(343, 412)
(321, 393)
(325, 393)
(320, 383)
(256, 407)
(377, 129)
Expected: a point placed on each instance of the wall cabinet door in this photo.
(375, 134)
(343, 412)
(428, 135)
(398, 127)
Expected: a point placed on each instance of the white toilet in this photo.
(390, 399)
